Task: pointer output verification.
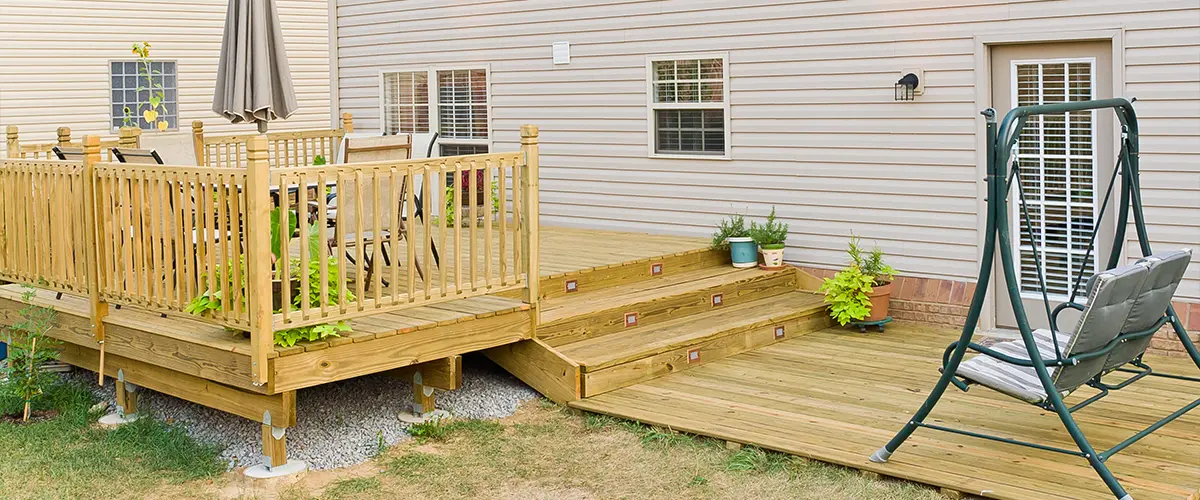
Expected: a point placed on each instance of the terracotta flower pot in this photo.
(880, 296)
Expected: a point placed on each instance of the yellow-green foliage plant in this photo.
(848, 292)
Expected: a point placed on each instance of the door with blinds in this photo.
(1065, 162)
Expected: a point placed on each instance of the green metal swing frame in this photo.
(1001, 140)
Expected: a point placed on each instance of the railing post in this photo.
(198, 142)
(529, 230)
(64, 137)
(97, 306)
(348, 122)
(128, 137)
(14, 144)
(258, 256)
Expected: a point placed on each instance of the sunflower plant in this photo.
(155, 105)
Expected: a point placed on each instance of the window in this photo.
(406, 103)
(457, 107)
(127, 77)
(689, 106)
(1057, 167)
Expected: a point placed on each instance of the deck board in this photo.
(837, 395)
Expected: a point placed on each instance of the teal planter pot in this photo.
(744, 252)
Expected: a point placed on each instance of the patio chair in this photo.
(67, 153)
(143, 156)
(173, 148)
(1166, 272)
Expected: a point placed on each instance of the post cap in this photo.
(91, 141)
(528, 130)
(11, 129)
(197, 124)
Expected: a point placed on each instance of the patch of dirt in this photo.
(34, 416)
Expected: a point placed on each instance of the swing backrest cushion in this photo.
(1166, 271)
(1109, 304)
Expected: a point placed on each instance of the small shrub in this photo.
(770, 234)
(29, 347)
(848, 292)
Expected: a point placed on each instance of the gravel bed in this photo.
(338, 424)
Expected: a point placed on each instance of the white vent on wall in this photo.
(561, 52)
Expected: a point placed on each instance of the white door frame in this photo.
(983, 100)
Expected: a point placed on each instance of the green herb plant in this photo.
(733, 226)
(770, 235)
(450, 210)
(29, 347)
(849, 291)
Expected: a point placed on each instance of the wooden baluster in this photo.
(487, 223)
(427, 236)
(473, 201)
(258, 264)
(394, 222)
(237, 238)
(283, 264)
(190, 213)
(529, 146)
(503, 214)
(323, 244)
(344, 209)
(458, 220)
(360, 276)
(222, 242)
(446, 252)
(378, 209)
(302, 225)
(409, 236)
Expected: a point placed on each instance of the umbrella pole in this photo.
(262, 127)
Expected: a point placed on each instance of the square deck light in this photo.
(572, 286)
(631, 319)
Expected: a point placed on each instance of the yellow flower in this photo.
(162, 125)
(150, 115)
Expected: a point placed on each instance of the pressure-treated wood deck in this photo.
(837, 395)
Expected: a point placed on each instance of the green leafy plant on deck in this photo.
(450, 210)
(29, 347)
(771, 234)
(849, 291)
(208, 303)
(733, 226)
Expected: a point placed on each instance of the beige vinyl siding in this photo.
(815, 129)
(56, 58)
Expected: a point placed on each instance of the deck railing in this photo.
(295, 148)
(128, 137)
(271, 248)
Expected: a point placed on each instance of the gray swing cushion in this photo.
(1166, 271)
(1109, 304)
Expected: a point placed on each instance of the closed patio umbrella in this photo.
(253, 81)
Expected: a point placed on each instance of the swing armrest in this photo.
(1062, 307)
(1000, 356)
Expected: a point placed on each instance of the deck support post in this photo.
(97, 307)
(530, 229)
(444, 374)
(274, 450)
(258, 260)
(127, 403)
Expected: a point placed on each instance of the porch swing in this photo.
(1124, 306)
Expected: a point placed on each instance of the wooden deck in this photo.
(837, 395)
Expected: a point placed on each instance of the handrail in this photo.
(163, 237)
(128, 137)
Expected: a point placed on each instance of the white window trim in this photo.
(108, 75)
(1015, 208)
(651, 106)
(434, 116)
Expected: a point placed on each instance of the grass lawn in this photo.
(543, 451)
(68, 456)
(546, 452)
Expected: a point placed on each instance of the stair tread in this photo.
(587, 302)
(613, 349)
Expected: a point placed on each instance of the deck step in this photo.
(618, 360)
(585, 315)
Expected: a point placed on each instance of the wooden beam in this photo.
(211, 394)
(259, 257)
(542, 367)
(363, 358)
(444, 374)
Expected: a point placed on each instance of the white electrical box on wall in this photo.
(561, 52)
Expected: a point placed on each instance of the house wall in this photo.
(815, 128)
(54, 60)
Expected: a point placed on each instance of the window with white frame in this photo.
(133, 84)
(1057, 163)
(689, 106)
(456, 106)
(406, 102)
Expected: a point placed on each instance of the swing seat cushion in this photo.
(1166, 272)
(1109, 303)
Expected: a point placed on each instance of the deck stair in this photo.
(615, 333)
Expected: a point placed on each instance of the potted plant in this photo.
(732, 234)
(861, 291)
(770, 238)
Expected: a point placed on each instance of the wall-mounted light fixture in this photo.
(910, 85)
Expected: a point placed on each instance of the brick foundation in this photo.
(945, 302)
